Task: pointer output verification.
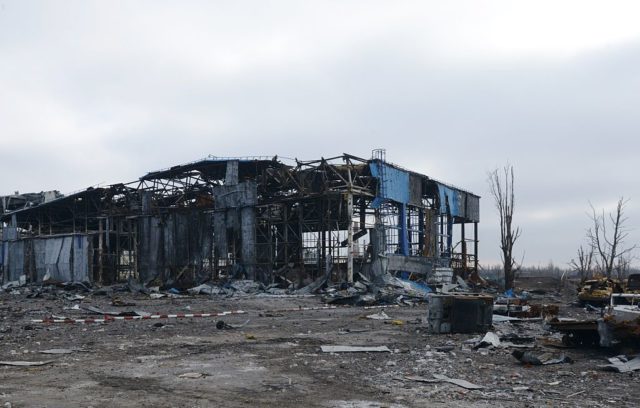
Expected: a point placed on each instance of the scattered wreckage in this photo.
(598, 291)
(452, 308)
(618, 323)
(619, 314)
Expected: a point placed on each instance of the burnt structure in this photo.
(254, 217)
(18, 201)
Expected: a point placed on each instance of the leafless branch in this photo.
(501, 187)
(607, 238)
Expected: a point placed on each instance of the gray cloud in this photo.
(104, 92)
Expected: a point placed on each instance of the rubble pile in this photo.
(295, 341)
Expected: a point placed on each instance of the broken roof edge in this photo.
(428, 178)
(451, 186)
(345, 156)
(210, 160)
(68, 197)
(7, 215)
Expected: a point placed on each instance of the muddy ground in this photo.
(275, 359)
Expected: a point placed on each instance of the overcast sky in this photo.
(103, 92)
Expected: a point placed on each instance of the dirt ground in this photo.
(275, 359)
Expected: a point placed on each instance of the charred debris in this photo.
(287, 225)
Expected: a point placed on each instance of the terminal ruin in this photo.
(260, 218)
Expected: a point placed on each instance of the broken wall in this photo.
(64, 258)
(13, 260)
(235, 221)
(172, 243)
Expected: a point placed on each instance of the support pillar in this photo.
(350, 237)
(475, 245)
(449, 236)
(100, 253)
(403, 242)
(421, 232)
(464, 248)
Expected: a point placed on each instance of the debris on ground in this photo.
(531, 358)
(192, 375)
(298, 336)
(621, 364)
(438, 378)
(222, 325)
(378, 316)
(460, 383)
(25, 363)
(355, 349)
(59, 351)
(490, 339)
(116, 301)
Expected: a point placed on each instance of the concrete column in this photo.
(220, 237)
(100, 252)
(350, 237)
(248, 235)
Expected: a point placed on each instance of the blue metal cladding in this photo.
(451, 201)
(394, 186)
(394, 183)
(458, 203)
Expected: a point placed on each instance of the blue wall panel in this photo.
(394, 183)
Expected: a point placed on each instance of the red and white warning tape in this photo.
(328, 307)
(381, 306)
(302, 309)
(107, 318)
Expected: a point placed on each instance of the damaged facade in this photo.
(256, 217)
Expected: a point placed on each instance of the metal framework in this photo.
(254, 216)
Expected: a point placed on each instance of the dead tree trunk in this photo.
(502, 191)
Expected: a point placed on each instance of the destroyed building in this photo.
(18, 201)
(261, 218)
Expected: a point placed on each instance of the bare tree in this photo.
(607, 237)
(502, 190)
(583, 264)
(623, 266)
